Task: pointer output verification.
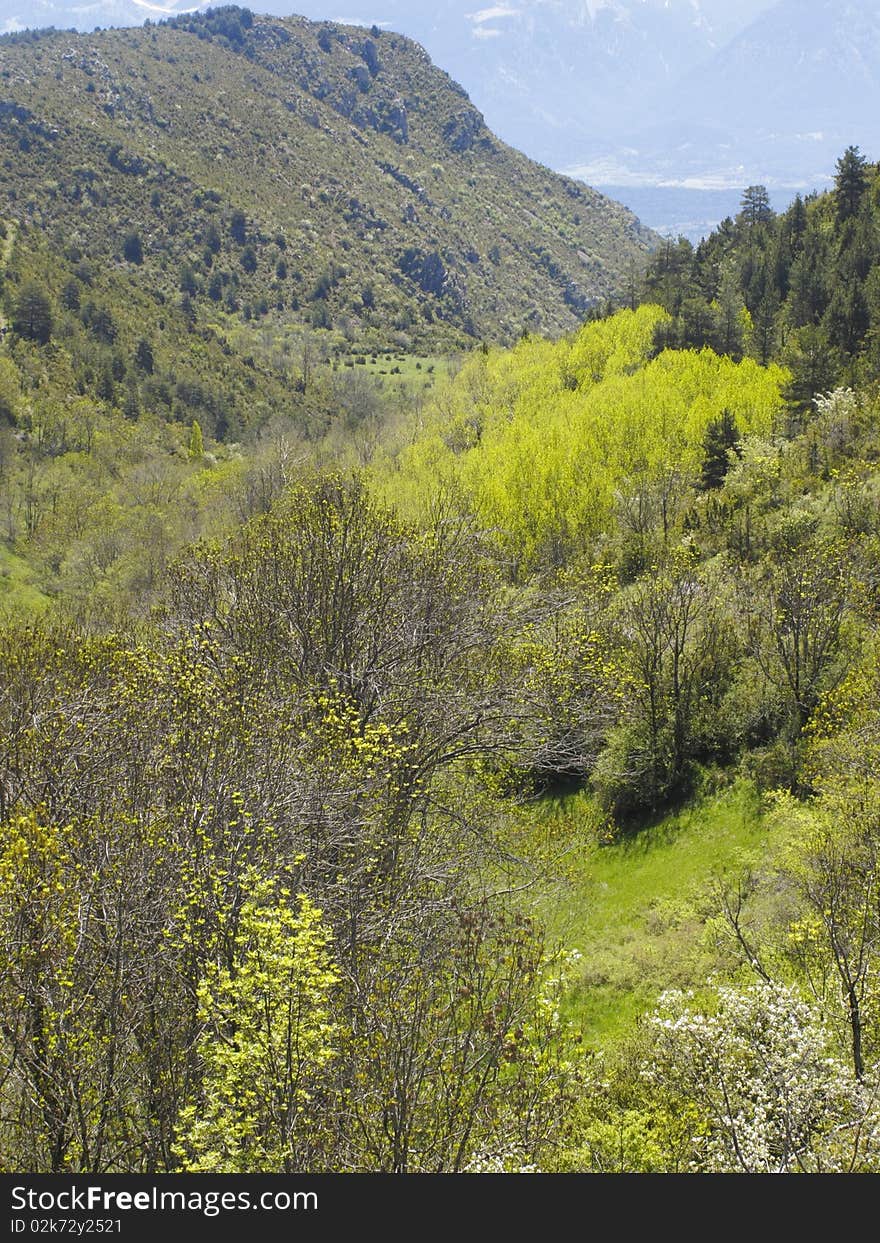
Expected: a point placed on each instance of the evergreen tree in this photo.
(846, 320)
(813, 364)
(721, 439)
(730, 313)
(850, 183)
(765, 327)
(188, 283)
(669, 278)
(143, 356)
(238, 228)
(132, 248)
(70, 296)
(808, 294)
(33, 314)
(796, 219)
(755, 207)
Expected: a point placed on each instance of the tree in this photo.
(731, 313)
(143, 356)
(834, 872)
(100, 321)
(846, 320)
(196, 442)
(764, 332)
(808, 282)
(132, 248)
(796, 221)
(187, 283)
(32, 317)
(721, 439)
(267, 1036)
(797, 604)
(834, 864)
(70, 917)
(757, 1069)
(676, 652)
(70, 296)
(755, 207)
(813, 363)
(238, 228)
(850, 183)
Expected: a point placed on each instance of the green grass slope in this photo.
(636, 909)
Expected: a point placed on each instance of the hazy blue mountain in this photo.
(828, 97)
(778, 103)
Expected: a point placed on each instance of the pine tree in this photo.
(755, 206)
(797, 222)
(730, 312)
(132, 248)
(143, 356)
(814, 366)
(33, 314)
(721, 439)
(850, 183)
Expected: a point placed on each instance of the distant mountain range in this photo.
(778, 103)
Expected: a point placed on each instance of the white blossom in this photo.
(758, 1069)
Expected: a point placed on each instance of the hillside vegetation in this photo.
(539, 440)
(470, 767)
(299, 172)
(368, 703)
(801, 287)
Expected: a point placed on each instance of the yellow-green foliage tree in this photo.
(267, 1034)
(305, 710)
(536, 440)
(834, 862)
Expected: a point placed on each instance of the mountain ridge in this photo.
(400, 207)
(573, 84)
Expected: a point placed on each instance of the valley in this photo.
(438, 630)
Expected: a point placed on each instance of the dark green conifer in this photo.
(721, 439)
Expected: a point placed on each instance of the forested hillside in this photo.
(414, 761)
(801, 287)
(320, 769)
(285, 251)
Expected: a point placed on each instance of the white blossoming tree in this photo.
(770, 1098)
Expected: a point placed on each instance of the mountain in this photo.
(799, 120)
(708, 93)
(554, 76)
(302, 172)
(776, 104)
(701, 93)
